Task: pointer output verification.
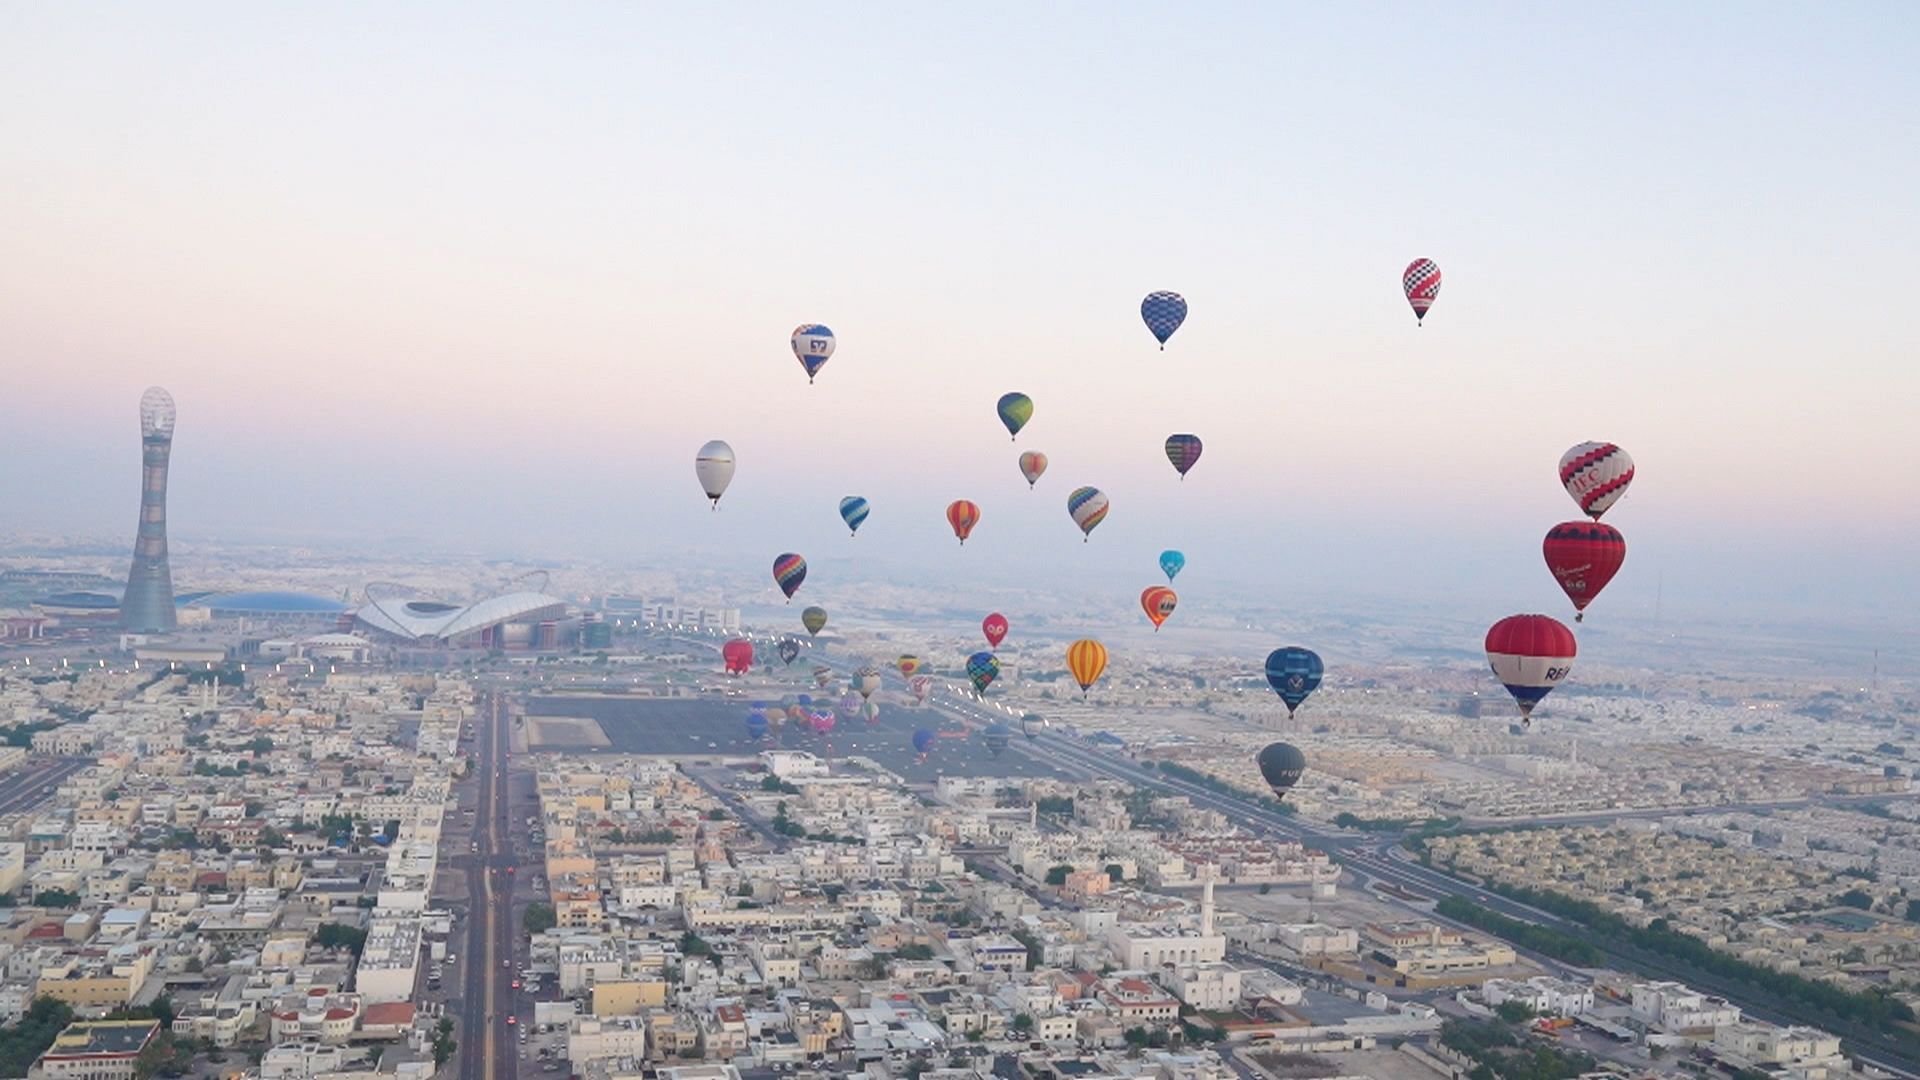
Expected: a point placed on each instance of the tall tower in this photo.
(1206, 905)
(148, 605)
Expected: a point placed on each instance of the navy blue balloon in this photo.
(1163, 312)
(756, 725)
(923, 740)
(1294, 672)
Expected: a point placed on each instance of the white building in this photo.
(1209, 987)
(1543, 994)
(793, 764)
(1757, 1043)
(1318, 939)
(1675, 1007)
(389, 960)
(591, 1040)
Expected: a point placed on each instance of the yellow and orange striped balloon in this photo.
(1086, 659)
(963, 515)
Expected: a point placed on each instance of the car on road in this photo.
(516, 984)
(512, 1020)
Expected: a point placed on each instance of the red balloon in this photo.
(1584, 556)
(738, 654)
(995, 627)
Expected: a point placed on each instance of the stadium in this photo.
(512, 620)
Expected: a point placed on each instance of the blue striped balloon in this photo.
(1294, 672)
(853, 511)
(1163, 312)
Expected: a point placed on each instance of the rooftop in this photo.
(103, 1037)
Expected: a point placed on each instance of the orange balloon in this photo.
(1086, 659)
(963, 515)
(1158, 602)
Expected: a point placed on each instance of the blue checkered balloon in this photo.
(1163, 312)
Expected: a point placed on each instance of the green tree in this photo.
(1116, 873)
(692, 944)
(337, 936)
(1057, 876)
(539, 918)
(24, 1041)
(56, 898)
(1514, 1012)
(1856, 898)
(1023, 1023)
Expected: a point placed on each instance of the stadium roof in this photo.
(430, 620)
(271, 602)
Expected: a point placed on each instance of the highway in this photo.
(487, 1041)
(28, 786)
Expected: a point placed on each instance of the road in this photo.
(27, 786)
(487, 1041)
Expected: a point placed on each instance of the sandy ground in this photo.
(564, 733)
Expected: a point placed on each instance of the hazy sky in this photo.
(498, 271)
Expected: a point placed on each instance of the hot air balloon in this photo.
(822, 675)
(995, 628)
(921, 685)
(1171, 563)
(923, 742)
(738, 655)
(1294, 672)
(1086, 659)
(866, 681)
(814, 618)
(998, 736)
(1015, 410)
(1421, 280)
(1281, 765)
(983, 668)
(1089, 508)
(1163, 313)
(798, 714)
(789, 651)
(789, 570)
(713, 465)
(907, 665)
(963, 515)
(813, 345)
(1032, 464)
(1531, 654)
(870, 712)
(1158, 602)
(1031, 725)
(757, 725)
(1583, 556)
(1184, 452)
(1596, 474)
(823, 721)
(850, 704)
(853, 511)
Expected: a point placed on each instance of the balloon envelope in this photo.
(1294, 672)
(812, 346)
(995, 628)
(1088, 506)
(983, 668)
(814, 618)
(1583, 556)
(789, 650)
(866, 681)
(908, 664)
(1032, 724)
(923, 740)
(870, 712)
(1421, 281)
(921, 685)
(1086, 659)
(1281, 766)
(1596, 474)
(1163, 312)
(756, 725)
(822, 675)
(998, 736)
(738, 655)
(1032, 465)
(1015, 410)
(713, 465)
(963, 515)
(789, 570)
(1171, 563)
(1158, 602)
(1183, 451)
(853, 511)
(1531, 654)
